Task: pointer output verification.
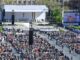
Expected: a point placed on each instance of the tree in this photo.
(1, 29)
(8, 1)
(57, 16)
(55, 9)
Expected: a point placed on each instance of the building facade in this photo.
(23, 2)
(1, 2)
(18, 2)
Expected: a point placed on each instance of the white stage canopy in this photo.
(25, 8)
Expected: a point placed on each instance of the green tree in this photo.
(57, 15)
(56, 10)
(8, 1)
(1, 29)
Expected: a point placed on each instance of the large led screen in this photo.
(70, 17)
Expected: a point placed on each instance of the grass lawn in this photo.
(75, 27)
(1, 28)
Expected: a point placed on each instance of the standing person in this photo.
(66, 58)
(62, 46)
(70, 50)
(54, 59)
(71, 58)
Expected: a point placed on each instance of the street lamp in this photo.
(62, 11)
(31, 36)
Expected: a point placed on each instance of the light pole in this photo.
(31, 2)
(79, 11)
(62, 11)
(31, 32)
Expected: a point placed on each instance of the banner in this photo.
(71, 18)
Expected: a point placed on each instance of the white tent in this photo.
(26, 12)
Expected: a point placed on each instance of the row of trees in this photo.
(6, 1)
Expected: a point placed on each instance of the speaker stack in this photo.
(13, 19)
(2, 16)
(31, 36)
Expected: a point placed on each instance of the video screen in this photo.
(71, 17)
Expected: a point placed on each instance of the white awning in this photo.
(25, 8)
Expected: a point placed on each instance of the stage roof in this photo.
(25, 8)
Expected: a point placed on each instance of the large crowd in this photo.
(14, 46)
(66, 38)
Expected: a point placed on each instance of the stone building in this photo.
(17, 2)
(23, 2)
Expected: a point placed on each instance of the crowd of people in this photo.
(68, 38)
(14, 46)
